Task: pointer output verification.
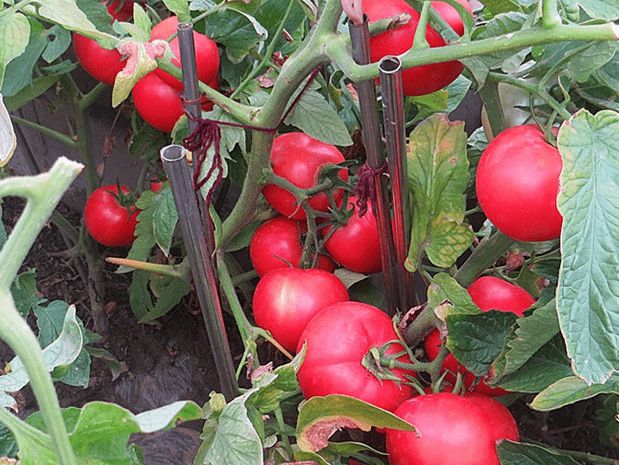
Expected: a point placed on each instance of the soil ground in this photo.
(171, 361)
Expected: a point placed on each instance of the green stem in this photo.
(420, 41)
(489, 94)
(243, 324)
(267, 54)
(421, 326)
(244, 277)
(279, 417)
(18, 6)
(485, 254)
(65, 226)
(535, 89)
(416, 367)
(166, 270)
(49, 132)
(512, 41)
(550, 14)
(242, 113)
(18, 335)
(437, 22)
(90, 98)
(43, 192)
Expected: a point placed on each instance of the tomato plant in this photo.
(419, 80)
(286, 299)
(356, 245)
(277, 244)
(108, 221)
(518, 182)
(450, 429)
(337, 340)
(299, 159)
(488, 293)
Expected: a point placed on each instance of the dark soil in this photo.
(171, 361)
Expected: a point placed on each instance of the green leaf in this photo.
(309, 8)
(241, 240)
(514, 453)
(531, 333)
(146, 143)
(606, 420)
(320, 417)
(236, 30)
(547, 366)
(317, 118)
(456, 92)
(165, 218)
(25, 292)
(98, 433)
(143, 22)
(570, 390)
(8, 445)
(271, 387)
(168, 292)
(589, 277)
(8, 144)
(97, 14)
(505, 23)
(600, 9)
(144, 231)
(59, 40)
(67, 14)
(180, 8)
(447, 297)
(14, 36)
(128, 77)
(235, 440)
(592, 59)
(438, 176)
(477, 340)
(501, 6)
(19, 71)
(428, 104)
(62, 352)
(35, 89)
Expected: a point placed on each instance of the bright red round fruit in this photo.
(287, 299)
(157, 103)
(518, 183)
(277, 244)
(299, 158)
(120, 10)
(450, 429)
(107, 221)
(207, 54)
(356, 245)
(100, 63)
(337, 339)
(488, 293)
(420, 80)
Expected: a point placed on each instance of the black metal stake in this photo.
(196, 223)
(393, 115)
(360, 36)
(175, 165)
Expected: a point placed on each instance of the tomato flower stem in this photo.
(550, 14)
(44, 130)
(279, 417)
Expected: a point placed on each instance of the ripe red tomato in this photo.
(277, 243)
(488, 293)
(107, 221)
(286, 299)
(518, 183)
(299, 158)
(122, 10)
(207, 54)
(156, 186)
(356, 245)
(100, 63)
(157, 103)
(337, 339)
(419, 80)
(450, 429)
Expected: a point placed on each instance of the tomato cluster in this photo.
(157, 96)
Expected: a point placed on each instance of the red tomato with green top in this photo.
(157, 103)
(450, 430)
(100, 63)
(299, 158)
(107, 221)
(420, 80)
(488, 293)
(356, 245)
(337, 339)
(286, 299)
(277, 244)
(207, 54)
(517, 184)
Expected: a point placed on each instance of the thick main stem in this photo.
(17, 334)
